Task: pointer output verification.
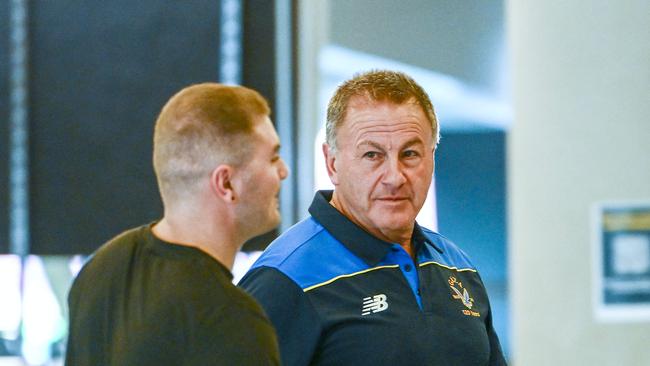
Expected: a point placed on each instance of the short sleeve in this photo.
(296, 321)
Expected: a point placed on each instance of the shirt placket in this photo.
(408, 268)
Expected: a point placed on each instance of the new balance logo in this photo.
(374, 304)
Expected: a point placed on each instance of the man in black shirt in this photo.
(161, 294)
(359, 282)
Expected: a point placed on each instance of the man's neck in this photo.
(219, 243)
(403, 238)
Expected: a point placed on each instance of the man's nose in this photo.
(284, 170)
(394, 173)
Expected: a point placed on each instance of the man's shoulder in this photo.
(296, 242)
(123, 242)
(447, 252)
(305, 254)
(116, 250)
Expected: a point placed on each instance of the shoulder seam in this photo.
(348, 275)
(448, 267)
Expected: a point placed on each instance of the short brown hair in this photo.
(200, 127)
(378, 86)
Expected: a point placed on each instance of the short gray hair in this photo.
(377, 85)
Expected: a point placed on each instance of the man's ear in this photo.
(330, 160)
(221, 182)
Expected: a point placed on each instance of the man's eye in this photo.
(410, 154)
(371, 155)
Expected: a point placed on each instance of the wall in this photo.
(581, 134)
(455, 38)
(100, 72)
(4, 126)
(471, 201)
(470, 184)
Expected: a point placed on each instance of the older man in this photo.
(161, 294)
(360, 282)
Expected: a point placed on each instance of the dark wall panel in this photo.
(258, 69)
(4, 121)
(471, 197)
(259, 47)
(471, 193)
(101, 71)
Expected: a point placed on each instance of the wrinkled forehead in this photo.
(385, 121)
(362, 106)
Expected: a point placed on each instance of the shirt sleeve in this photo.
(296, 321)
(86, 330)
(496, 354)
(72, 355)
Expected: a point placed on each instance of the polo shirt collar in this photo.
(363, 244)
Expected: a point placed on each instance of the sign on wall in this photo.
(621, 263)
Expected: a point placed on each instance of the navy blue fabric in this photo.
(338, 295)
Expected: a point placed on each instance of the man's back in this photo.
(141, 301)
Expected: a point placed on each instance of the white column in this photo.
(581, 134)
(313, 33)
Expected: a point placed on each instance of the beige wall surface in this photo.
(581, 134)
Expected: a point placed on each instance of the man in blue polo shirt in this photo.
(359, 282)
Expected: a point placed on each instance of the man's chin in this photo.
(397, 224)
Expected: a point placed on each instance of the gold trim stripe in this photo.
(347, 275)
(452, 268)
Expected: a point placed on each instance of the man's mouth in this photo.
(392, 199)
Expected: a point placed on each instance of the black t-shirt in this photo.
(141, 301)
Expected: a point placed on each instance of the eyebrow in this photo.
(413, 141)
(409, 143)
(370, 143)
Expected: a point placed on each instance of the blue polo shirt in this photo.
(339, 296)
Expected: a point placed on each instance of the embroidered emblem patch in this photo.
(461, 293)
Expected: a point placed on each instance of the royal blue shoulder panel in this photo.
(451, 256)
(309, 255)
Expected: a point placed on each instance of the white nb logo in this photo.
(374, 304)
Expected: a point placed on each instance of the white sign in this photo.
(621, 261)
